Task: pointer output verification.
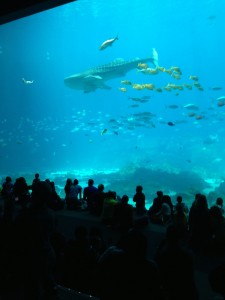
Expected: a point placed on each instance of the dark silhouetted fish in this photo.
(95, 78)
(216, 88)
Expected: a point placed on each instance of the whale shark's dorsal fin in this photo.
(155, 57)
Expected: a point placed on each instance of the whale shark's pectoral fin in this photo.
(92, 77)
(94, 82)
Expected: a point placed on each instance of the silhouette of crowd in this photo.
(37, 257)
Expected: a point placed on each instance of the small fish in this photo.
(138, 86)
(115, 132)
(180, 87)
(168, 71)
(134, 105)
(222, 98)
(104, 131)
(200, 88)
(173, 106)
(191, 106)
(170, 124)
(149, 86)
(159, 90)
(146, 97)
(188, 86)
(216, 88)
(108, 43)
(141, 100)
(127, 82)
(176, 69)
(212, 17)
(195, 78)
(167, 88)
(176, 75)
(199, 117)
(191, 114)
(149, 71)
(27, 81)
(142, 66)
(196, 84)
(161, 69)
(123, 89)
(220, 103)
(134, 98)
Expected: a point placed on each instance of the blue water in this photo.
(49, 128)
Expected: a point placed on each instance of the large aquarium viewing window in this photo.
(124, 92)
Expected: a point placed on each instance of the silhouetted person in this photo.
(176, 267)
(34, 253)
(21, 192)
(6, 232)
(7, 187)
(97, 248)
(77, 260)
(124, 272)
(155, 208)
(98, 200)
(217, 229)
(108, 210)
(35, 180)
(123, 215)
(182, 204)
(77, 188)
(55, 201)
(89, 193)
(73, 199)
(164, 214)
(180, 220)
(8, 199)
(67, 186)
(199, 223)
(139, 199)
(219, 203)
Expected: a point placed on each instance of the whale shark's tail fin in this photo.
(155, 57)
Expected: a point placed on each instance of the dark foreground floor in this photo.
(68, 220)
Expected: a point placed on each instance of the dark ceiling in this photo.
(11, 10)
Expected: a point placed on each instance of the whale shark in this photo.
(95, 78)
